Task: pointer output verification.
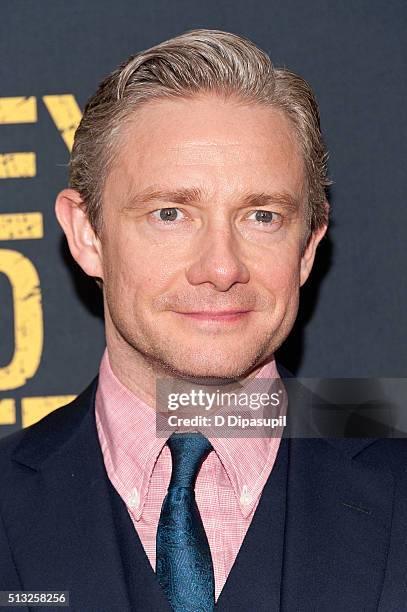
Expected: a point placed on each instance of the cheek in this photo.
(280, 275)
(132, 275)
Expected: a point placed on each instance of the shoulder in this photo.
(48, 434)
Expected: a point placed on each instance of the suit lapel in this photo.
(60, 524)
(339, 514)
(339, 511)
(394, 595)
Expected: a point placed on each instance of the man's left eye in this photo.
(167, 214)
(264, 216)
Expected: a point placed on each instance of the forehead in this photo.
(207, 142)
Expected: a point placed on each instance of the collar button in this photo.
(134, 500)
(245, 497)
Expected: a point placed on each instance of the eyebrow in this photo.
(190, 195)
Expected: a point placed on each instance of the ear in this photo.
(83, 243)
(307, 259)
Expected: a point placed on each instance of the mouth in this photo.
(216, 316)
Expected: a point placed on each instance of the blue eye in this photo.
(264, 216)
(167, 214)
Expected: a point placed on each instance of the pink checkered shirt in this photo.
(138, 463)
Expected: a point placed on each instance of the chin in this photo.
(209, 372)
(211, 367)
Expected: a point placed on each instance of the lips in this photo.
(215, 313)
(213, 316)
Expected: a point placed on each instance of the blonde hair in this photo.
(198, 61)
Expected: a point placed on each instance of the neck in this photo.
(139, 374)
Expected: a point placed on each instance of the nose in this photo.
(218, 261)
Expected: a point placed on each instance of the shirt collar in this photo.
(127, 432)
(249, 461)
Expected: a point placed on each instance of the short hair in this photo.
(198, 61)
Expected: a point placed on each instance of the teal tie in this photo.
(184, 563)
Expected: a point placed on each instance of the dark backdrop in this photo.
(352, 319)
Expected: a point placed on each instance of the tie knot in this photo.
(188, 452)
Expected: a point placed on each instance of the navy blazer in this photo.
(344, 539)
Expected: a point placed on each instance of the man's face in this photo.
(203, 210)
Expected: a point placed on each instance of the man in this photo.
(197, 201)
